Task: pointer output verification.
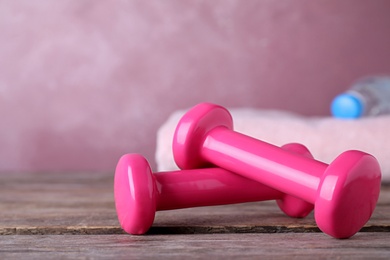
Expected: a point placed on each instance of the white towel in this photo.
(325, 137)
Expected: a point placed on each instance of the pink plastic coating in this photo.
(139, 193)
(345, 192)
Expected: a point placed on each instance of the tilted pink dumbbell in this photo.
(344, 192)
(139, 193)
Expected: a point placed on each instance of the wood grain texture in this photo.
(214, 246)
(80, 203)
(72, 216)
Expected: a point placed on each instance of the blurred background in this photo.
(82, 82)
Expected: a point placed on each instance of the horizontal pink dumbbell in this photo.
(344, 192)
(139, 193)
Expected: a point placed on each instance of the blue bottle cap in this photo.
(347, 106)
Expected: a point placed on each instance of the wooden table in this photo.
(43, 216)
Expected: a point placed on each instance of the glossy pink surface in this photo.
(139, 193)
(344, 193)
(135, 194)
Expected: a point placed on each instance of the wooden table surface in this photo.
(44, 215)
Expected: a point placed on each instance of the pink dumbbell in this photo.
(139, 193)
(344, 192)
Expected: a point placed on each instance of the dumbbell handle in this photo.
(280, 169)
(208, 187)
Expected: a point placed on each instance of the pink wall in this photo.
(82, 82)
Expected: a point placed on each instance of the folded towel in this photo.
(325, 137)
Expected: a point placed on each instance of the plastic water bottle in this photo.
(367, 97)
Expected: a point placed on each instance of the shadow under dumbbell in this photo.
(170, 230)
